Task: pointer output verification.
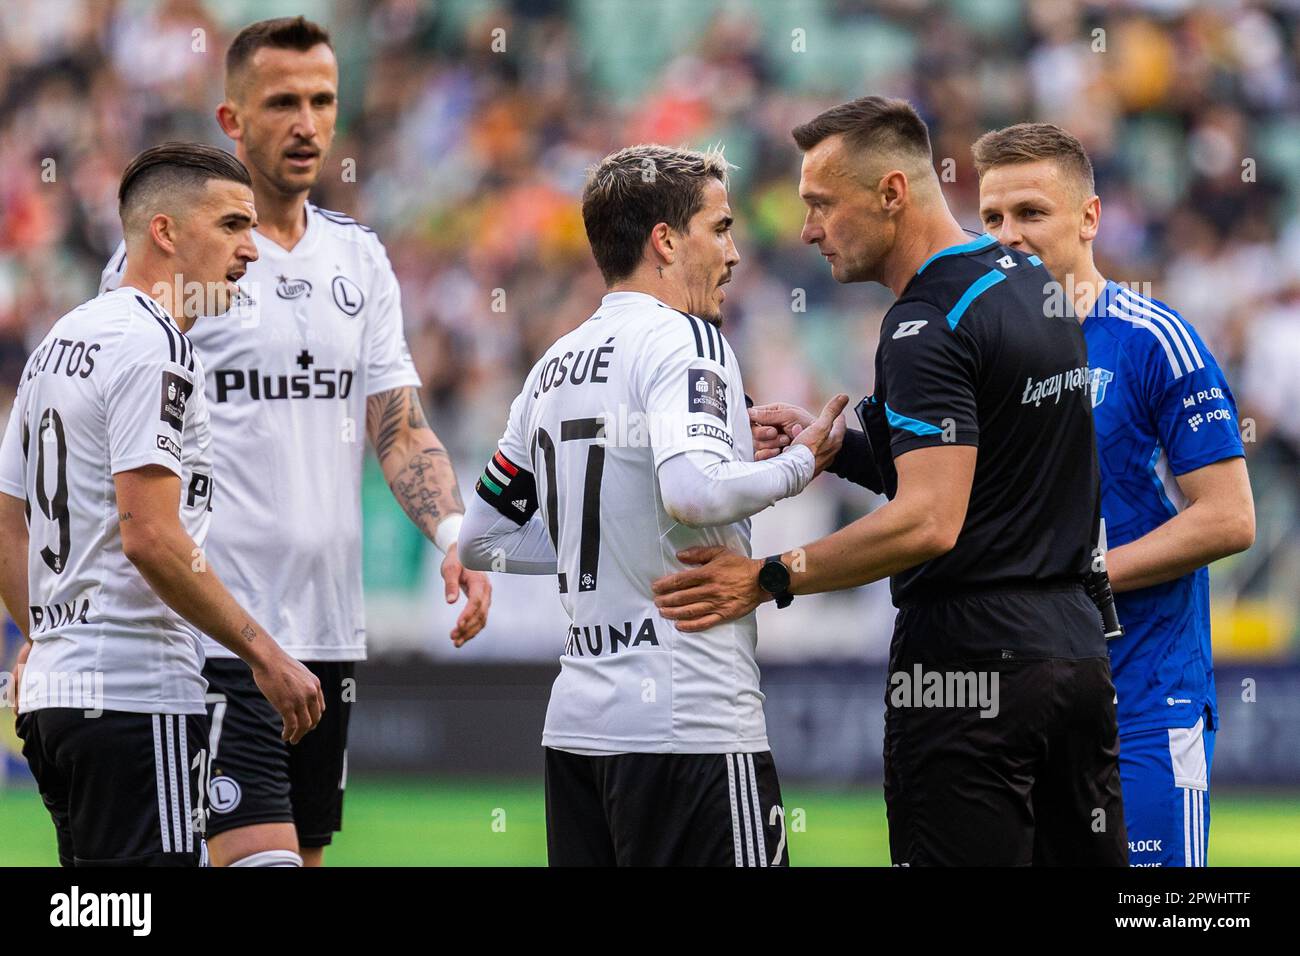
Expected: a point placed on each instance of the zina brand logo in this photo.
(287, 288)
(74, 908)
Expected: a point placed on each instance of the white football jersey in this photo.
(314, 333)
(634, 385)
(114, 386)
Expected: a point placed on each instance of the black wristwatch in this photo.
(774, 578)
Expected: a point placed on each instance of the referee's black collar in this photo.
(977, 245)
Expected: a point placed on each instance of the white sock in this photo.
(270, 858)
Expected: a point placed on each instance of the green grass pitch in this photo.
(422, 822)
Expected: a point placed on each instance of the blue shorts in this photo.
(1165, 775)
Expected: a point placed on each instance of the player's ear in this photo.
(1090, 223)
(228, 120)
(162, 230)
(892, 190)
(664, 242)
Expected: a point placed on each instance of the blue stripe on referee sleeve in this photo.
(912, 425)
(975, 244)
(977, 288)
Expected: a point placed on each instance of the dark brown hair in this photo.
(285, 33)
(160, 170)
(631, 191)
(870, 123)
(1031, 142)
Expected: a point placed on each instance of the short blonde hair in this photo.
(1031, 142)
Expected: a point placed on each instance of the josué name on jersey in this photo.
(575, 369)
(255, 385)
(80, 358)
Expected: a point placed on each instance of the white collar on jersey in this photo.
(149, 302)
(618, 299)
(306, 242)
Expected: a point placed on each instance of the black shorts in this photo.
(256, 776)
(123, 789)
(1036, 781)
(664, 810)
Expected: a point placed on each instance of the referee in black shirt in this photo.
(1001, 742)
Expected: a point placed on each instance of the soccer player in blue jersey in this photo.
(1175, 493)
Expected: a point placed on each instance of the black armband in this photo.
(857, 463)
(508, 488)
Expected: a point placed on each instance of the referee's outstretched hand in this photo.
(825, 436)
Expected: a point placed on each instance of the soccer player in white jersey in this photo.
(106, 477)
(630, 441)
(317, 347)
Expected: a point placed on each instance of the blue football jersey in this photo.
(1161, 408)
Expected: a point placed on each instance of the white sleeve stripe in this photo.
(1177, 330)
(1160, 336)
(1175, 319)
(1137, 307)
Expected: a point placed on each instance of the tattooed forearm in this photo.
(392, 415)
(386, 413)
(426, 489)
(417, 468)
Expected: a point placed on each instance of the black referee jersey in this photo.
(978, 351)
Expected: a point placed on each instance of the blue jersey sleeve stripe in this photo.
(1035, 261)
(977, 288)
(975, 244)
(1177, 332)
(1140, 322)
(913, 425)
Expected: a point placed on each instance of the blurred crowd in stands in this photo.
(470, 125)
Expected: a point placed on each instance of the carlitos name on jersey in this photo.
(593, 641)
(80, 355)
